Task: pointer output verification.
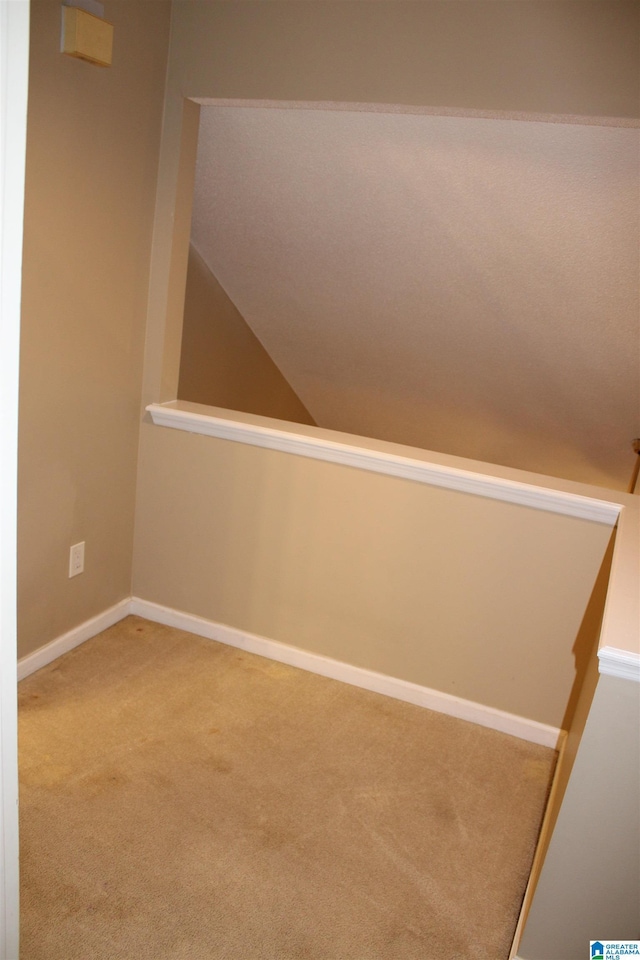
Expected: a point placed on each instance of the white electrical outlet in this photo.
(76, 559)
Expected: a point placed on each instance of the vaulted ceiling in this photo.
(461, 284)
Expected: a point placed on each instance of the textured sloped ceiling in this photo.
(460, 284)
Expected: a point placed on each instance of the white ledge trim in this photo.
(467, 113)
(289, 440)
(619, 663)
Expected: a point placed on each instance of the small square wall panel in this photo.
(86, 36)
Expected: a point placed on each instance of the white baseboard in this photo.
(445, 703)
(51, 651)
(509, 723)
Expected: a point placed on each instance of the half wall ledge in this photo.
(378, 456)
(619, 649)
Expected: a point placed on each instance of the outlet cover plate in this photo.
(76, 559)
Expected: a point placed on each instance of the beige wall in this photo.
(92, 155)
(337, 561)
(246, 525)
(437, 281)
(590, 883)
(470, 596)
(565, 57)
(576, 715)
(254, 539)
(585, 650)
(222, 362)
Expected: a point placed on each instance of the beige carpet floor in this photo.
(182, 799)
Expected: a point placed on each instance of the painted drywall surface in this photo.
(561, 57)
(585, 651)
(190, 488)
(458, 284)
(227, 50)
(222, 362)
(92, 153)
(577, 712)
(470, 596)
(170, 251)
(486, 309)
(589, 887)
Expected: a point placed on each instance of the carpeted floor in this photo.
(181, 799)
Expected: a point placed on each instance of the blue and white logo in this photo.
(614, 949)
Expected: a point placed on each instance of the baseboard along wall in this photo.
(51, 651)
(393, 687)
